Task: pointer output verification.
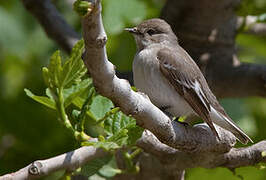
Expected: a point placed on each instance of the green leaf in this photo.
(49, 93)
(41, 99)
(120, 138)
(126, 121)
(75, 114)
(85, 107)
(74, 68)
(75, 91)
(78, 101)
(82, 7)
(104, 166)
(56, 76)
(102, 144)
(110, 170)
(122, 129)
(134, 133)
(95, 165)
(122, 122)
(108, 115)
(46, 78)
(116, 123)
(55, 70)
(263, 153)
(100, 106)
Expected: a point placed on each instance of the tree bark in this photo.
(207, 30)
(53, 23)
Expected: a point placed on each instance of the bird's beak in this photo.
(132, 30)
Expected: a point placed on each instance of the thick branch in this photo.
(150, 168)
(239, 157)
(53, 23)
(172, 160)
(176, 159)
(197, 138)
(57, 28)
(68, 161)
(179, 146)
(185, 146)
(239, 79)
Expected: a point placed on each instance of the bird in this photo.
(165, 72)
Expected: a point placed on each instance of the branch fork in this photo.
(180, 146)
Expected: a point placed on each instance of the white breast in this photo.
(148, 79)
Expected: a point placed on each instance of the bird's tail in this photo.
(226, 123)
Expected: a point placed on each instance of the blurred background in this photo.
(30, 131)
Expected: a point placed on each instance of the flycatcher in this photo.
(168, 75)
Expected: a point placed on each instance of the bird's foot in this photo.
(164, 109)
(183, 123)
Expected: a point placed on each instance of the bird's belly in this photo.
(149, 80)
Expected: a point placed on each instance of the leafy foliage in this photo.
(41, 99)
(120, 131)
(64, 85)
(32, 132)
(82, 7)
(95, 165)
(65, 80)
(68, 86)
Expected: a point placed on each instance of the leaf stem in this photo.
(108, 114)
(63, 116)
(135, 153)
(84, 109)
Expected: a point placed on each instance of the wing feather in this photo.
(186, 83)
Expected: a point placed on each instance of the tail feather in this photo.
(228, 124)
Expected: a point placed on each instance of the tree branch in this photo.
(174, 144)
(176, 159)
(172, 160)
(53, 23)
(239, 79)
(187, 146)
(68, 161)
(57, 28)
(239, 157)
(176, 135)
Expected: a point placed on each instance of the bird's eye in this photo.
(151, 32)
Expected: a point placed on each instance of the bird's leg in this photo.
(164, 109)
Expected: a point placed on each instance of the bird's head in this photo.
(152, 31)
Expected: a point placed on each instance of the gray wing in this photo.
(185, 77)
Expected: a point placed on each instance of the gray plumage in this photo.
(167, 74)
